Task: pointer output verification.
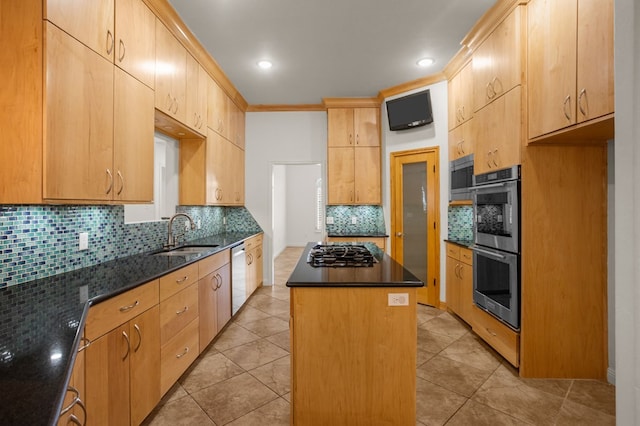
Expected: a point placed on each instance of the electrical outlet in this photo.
(198, 224)
(329, 220)
(354, 220)
(83, 241)
(187, 225)
(398, 299)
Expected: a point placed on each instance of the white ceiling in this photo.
(327, 48)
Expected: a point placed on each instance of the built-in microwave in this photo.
(461, 178)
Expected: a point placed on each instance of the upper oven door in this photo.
(496, 215)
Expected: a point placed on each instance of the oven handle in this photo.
(491, 185)
(488, 253)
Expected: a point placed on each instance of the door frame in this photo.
(433, 239)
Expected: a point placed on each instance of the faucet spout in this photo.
(171, 239)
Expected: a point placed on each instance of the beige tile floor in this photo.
(243, 377)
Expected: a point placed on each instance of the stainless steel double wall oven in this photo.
(496, 252)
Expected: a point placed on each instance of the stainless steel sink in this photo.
(185, 250)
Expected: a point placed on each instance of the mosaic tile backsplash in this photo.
(41, 241)
(460, 223)
(370, 220)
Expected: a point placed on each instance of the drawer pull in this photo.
(130, 307)
(491, 332)
(86, 345)
(186, 308)
(183, 279)
(186, 351)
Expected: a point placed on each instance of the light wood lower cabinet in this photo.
(214, 296)
(501, 338)
(460, 281)
(73, 408)
(122, 372)
(353, 357)
(178, 354)
(253, 248)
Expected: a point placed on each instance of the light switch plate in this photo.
(83, 241)
(329, 220)
(354, 220)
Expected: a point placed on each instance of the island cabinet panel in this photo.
(353, 356)
(570, 64)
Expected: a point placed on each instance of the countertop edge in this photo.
(464, 244)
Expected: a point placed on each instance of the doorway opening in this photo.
(415, 218)
(297, 206)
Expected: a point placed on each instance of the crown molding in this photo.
(411, 85)
(282, 107)
(351, 102)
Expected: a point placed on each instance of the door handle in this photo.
(399, 234)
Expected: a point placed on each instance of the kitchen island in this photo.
(353, 342)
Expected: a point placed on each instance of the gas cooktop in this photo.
(340, 255)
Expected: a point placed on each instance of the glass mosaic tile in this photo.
(460, 227)
(370, 220)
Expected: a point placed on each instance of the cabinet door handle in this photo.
(567, 103)
(110, 43)
(185, 309)
(129, 307)
(110, 187)
(584, 109)
(455, 270)
(122, 50)
(86, 345)
(490, 92)
(121, 178)
(460, 271)
(489, 159)
(186, 351)
(183, 279)
(491, 332)
(137, 329)
(494, 84)
(357, 138)
(493, 158)
(126, 338)
(219, 281)
(350, 139)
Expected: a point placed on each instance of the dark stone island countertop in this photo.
(461, 243)
(41, 323)
(386, 272)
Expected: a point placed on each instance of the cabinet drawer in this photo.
(211, 263)
(453, 251)
(253, 242)
(504, 340)
(177, 355)
(178, 311)
(111, 313)
(172, 283)
(466, 255)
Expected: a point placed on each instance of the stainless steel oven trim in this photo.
(509, 316)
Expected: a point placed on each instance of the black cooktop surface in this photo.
(340, 255)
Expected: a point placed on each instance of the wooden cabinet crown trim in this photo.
(351, 102)
(168, 16)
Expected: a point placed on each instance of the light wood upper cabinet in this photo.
(171, 85)
(211, 171)
(133, 140)
(353, 126)
(99, 127)
(78, 139)
(497, 63)
(461, 140)
(353, 156)
(460, 91)
(498, 133)
(119, 30)
(218, 109)
(198, 81)
(236, 124)
(135, 41)
(89, 21)
(570, 63)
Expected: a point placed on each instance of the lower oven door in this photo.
(496, 284)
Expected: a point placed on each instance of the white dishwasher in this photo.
(238, 277)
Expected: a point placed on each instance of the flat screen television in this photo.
(410, 111)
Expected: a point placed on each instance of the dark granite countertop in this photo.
(386, 272)
(461, 243)
(41, 323)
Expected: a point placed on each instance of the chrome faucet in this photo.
(171, 239)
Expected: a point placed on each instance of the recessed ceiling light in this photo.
(264, 64)
(425, 62)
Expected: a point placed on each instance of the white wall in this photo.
(279, 210)
(627, 212)
(278, 138)
(431, 135)
(301, 184)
